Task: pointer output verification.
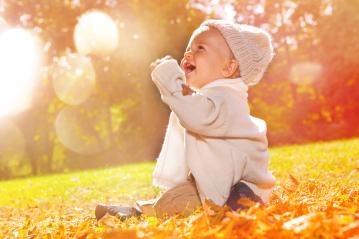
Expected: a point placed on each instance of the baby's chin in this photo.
(188, 83)
(193, 84)
(188, 79)
(194, 81)
(188, 74)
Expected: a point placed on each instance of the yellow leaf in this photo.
(302, 223)
(120, 234)
(294, 179)
(351, 230)
(246, 202)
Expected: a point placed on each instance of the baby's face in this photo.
(205, 58)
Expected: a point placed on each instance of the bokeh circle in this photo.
(96, 33)
(84, 129)
(73, 78)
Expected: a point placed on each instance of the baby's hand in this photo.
(159, 61)
(186, 90)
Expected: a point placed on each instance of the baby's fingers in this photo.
(168, 57)
(154, 64)
(163, 59)
(159, 61)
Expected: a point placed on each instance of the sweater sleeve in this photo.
(198, 113)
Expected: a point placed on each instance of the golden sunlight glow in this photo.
(96, 33)
(305, 72)
(19, 69)
(73, 78)
(12, 140)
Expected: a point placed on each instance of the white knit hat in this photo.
(251, 46)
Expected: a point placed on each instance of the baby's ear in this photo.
(230, 68)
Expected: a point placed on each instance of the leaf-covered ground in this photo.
(317, 196)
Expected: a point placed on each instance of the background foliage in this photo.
(125, 113)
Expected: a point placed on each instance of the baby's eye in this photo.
(200, 47)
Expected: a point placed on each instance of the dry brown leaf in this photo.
(294, 179)
(246, 202)
(120, 234)
(351, 230)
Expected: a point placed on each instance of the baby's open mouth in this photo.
(188, 67)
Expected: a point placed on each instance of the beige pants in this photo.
(182, 199)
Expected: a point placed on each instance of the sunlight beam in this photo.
(19, 69)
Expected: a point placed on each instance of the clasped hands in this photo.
(186, 90)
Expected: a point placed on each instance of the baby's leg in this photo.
(238, 191)
(183, 199)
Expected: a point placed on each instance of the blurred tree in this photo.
(338, 41)
(135, 115)
(314, 32)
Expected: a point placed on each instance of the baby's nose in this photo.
(187, 55)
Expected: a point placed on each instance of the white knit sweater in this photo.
(212, 135)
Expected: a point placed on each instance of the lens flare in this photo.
(305, 72)
(96, 33)
(12, 141)
(20, 65)
(83, 129)
(73, 78)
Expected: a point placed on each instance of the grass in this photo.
(49, 201)
(331, 162)
(112, 184)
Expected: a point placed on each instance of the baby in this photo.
(213, 148)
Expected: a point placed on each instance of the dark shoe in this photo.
(123, 212)
(241, 190)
